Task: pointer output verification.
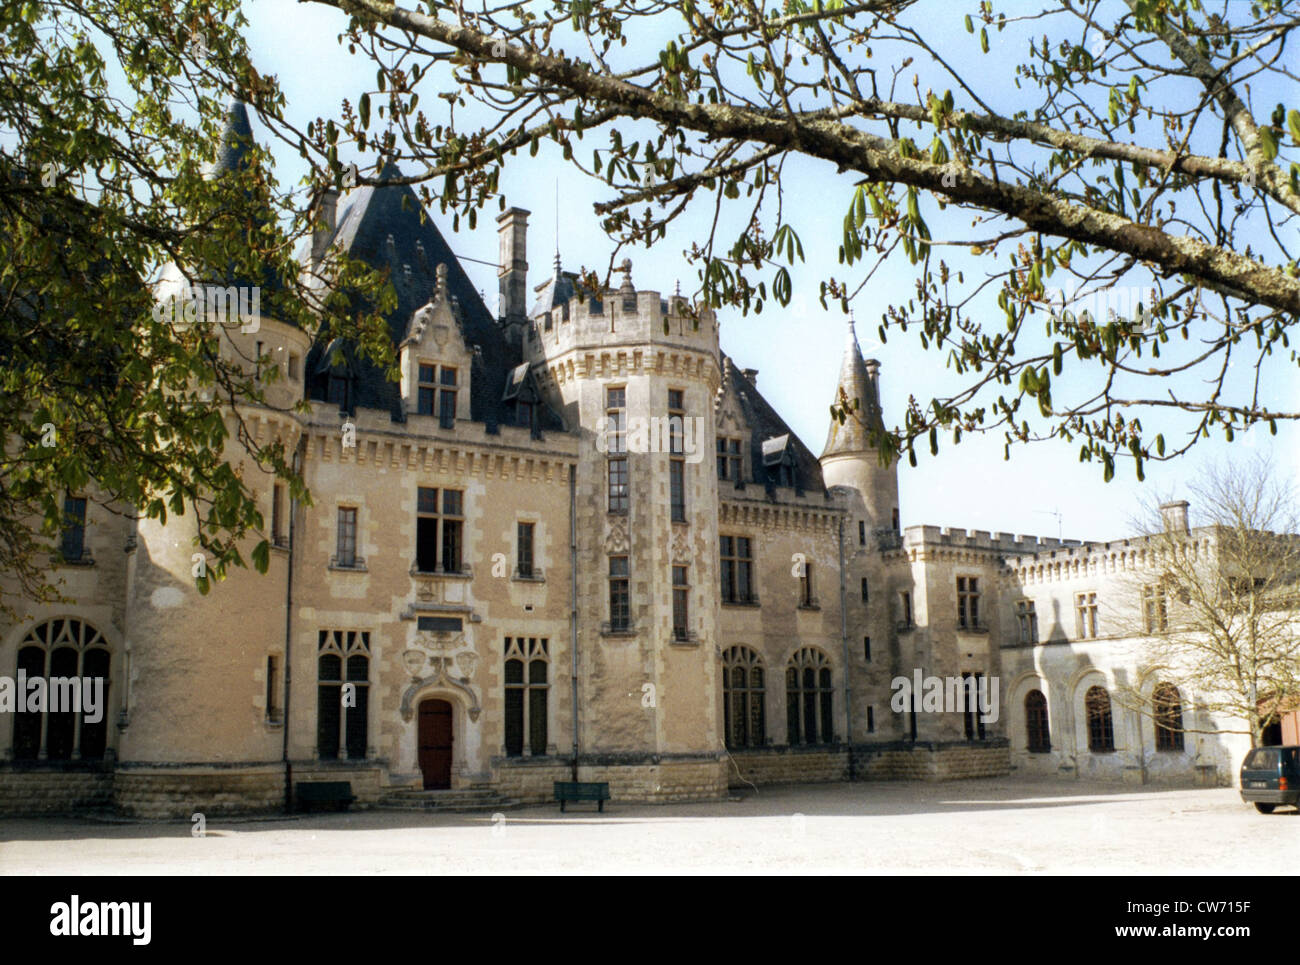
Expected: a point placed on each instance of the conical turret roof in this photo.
(857, 383)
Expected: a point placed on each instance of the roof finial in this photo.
(852, 329)
(441, 291)
(557, 227)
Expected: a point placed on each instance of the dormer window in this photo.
(779, 461)
(436, 393)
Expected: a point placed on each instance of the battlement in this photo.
(621, 318)
(980, 539)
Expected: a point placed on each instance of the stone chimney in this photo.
(512, 267)
(873, 381)
(325, 216)
(752, 376)
(1175, 516)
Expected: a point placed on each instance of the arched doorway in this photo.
(434, 736)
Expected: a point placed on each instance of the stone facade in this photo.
(494, 584)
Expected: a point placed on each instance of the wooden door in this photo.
(435, 743)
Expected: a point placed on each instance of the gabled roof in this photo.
(386, 227)
(768, 433)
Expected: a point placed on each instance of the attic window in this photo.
(779, 460)
(515, 383)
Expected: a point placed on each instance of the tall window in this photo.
(1037, 735)
(427, 396)
(342, 693)
(345, 553)
(968, 602)
(434, 555)
(681, 604)
(866, 649)
(69, 649)
(1168, 717)
(620, 614)
(809, 698)
(745, 723)
(1085, 611)
(737, 569)
(905, 607)
(730, 461)
(1155, 611)
(446, 397)
(864, 590)
(1101, 731)
(72, 546)
(277, 516)
(526, 689)
(1027, 619)
(616, 446)
(524, 550)
(807, 598)
(677, 489)
(273, 693)
(862, 532)
(970, 688)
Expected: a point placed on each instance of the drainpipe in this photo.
(573, 603)
(844, 638)
(288, 638)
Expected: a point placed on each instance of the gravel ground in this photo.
(962, 827)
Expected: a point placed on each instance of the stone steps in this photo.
(463, 799)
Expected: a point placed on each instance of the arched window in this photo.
(743, 683)
(65, 726)
(342, 693)
(1168, 717)
(1101, 731)
(1036, 730)
(527, 659)
(808, 690)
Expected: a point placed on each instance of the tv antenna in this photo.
(1053, 512)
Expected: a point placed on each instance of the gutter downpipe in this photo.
(288, 638)
(573, 603)
(844, 637)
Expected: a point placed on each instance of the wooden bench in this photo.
(582, 791)
(337, 793)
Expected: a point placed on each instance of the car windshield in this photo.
(1263, 759)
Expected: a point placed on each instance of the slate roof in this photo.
(386, 227)
(764, 424)
(854, 434)
(233, 155)
(556, 291)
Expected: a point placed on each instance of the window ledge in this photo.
(692, 639)
(972, 628)
(813, 605)
(606, 630)
(535, 577)
(752, 602)
(358, 567)
(84, 559)
(901, 627)
(466, 572)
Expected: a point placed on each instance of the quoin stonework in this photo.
(497, 579)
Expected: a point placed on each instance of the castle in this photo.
(574, 537)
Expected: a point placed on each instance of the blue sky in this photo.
(798, 349)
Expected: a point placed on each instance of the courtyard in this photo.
(988, 826)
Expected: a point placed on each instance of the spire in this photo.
(236, 140)
(858, 382)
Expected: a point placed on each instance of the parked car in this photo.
(1271, 776)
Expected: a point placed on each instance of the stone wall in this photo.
(179, 792)
(899, 761)
(788, 765)
(639, 779)
(42, 789)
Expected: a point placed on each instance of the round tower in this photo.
(202, 711)
(850, 458)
